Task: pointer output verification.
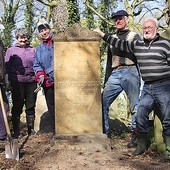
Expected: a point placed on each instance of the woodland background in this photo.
(61, 14)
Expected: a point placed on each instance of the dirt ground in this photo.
(83, 152)
(78, 152)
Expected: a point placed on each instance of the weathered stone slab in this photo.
(93, 143)
(77, 85)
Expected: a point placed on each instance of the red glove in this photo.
(37, 76)
(46, 82)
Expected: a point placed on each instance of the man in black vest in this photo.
(121, 75)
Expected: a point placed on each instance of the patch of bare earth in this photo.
(80, 152)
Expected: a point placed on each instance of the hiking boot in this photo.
(109, 134)
(166, 154)
(143, 143)
(3, 139)
(30, 124)
(133, 141)
(16, 127)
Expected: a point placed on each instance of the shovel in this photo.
(11, 146)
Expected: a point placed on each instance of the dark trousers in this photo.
(49, 96)
(154, 94)
(23, 94)
(2, 124)
(5, 99)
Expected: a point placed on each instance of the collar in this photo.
(150, 42)
(48, 41)
(26, 46)
(120, 32)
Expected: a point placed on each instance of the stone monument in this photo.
(77, 82)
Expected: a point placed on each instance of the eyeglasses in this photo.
(148, 28)
(118, 19)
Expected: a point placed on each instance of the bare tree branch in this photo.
(50, 4)
(97, 13)
(5, 4)
(43, 2)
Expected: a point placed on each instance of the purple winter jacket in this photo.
(19, 63)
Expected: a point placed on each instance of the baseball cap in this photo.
(119, 13)
(42, 24)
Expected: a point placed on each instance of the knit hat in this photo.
(119, 13)
(42, 24)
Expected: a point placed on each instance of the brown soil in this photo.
(80, 152)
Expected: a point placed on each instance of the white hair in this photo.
(21, 32)
(151, 19)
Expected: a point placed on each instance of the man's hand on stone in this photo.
(99, 32)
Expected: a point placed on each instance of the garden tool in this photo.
(38, 88)
(39, 85)
(11, 146)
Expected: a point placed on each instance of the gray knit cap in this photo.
(42, 24)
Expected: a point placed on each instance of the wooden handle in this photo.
(4, 114)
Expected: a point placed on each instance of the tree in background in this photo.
(8, 20)
(137, 10)
(64, 13)
(166, 15)
(73, 12)
(29, 17)
(57, 12)
(101, 14)
(89, 22)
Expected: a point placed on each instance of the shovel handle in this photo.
(4, 115)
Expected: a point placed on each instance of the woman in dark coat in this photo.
(2, 88)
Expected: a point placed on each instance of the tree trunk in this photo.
(59, 14)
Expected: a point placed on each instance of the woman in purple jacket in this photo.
(21, 77)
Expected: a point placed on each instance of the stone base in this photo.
(96, 142)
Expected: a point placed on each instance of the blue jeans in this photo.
(127, 79)
(154, 94)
